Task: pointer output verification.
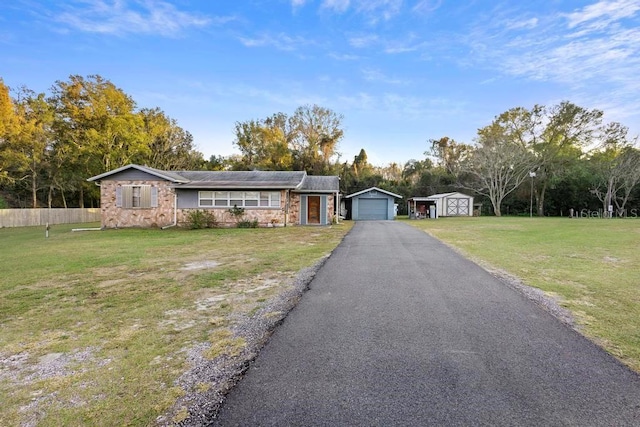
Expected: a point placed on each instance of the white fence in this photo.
(31, 217)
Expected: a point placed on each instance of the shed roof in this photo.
(389, 193)
(437, 196)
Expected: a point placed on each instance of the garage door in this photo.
(372, 209)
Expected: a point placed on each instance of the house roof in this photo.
(242, 179)
(286, 180)
(167, 175)
(437, 196)
(389, 193)
(319, 184)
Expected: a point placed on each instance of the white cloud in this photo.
(426, 6)
(363, 41)
(280, 41)
(374, 10)
(121, 17)
(373, 75)
(378, 10)
(527, 24)
(339, 6)
(604, 12)
(344, 56)
(592, 54)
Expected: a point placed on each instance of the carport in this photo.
(373, 204)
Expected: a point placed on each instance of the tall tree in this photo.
(554, 134)
(27, 151)
(8, 127)
(97, 127)
(171, 147)
(615, 168)
(448, 152)
(318, 131)
(497, 165)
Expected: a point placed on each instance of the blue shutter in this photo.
(303, 210)
(154, 197)
(323, 210)
(119, 197)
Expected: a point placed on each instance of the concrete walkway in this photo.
(397, 329)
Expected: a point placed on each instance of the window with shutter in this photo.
(118, 197)
(137, 196)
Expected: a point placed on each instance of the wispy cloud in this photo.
(426, 6)
(344, 56)
(373, 75)
(603, 13)
(120, 17)
(364, 41)
(593, 50)
(373, 10)
(339, 6)
(517, 24)
(280, 41)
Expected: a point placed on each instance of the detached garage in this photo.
(373, 204)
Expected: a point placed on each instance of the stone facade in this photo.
(114, 217)
(163, 215)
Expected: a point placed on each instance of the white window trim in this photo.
(274, 202)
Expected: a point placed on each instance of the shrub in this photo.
(242, 222)
(198, 219)
(3, 203)
(245, 223)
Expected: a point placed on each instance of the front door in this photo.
(313, 210)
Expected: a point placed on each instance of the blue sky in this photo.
(399, 71)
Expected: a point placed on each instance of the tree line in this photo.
(559, 157)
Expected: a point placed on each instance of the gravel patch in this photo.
(208, 381)
(547, 302)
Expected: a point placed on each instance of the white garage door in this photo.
(372, 209)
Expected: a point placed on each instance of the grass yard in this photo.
(94, 325)
(591, 265)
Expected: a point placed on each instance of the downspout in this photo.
(97, 184)
(175, 210)
(337, 203)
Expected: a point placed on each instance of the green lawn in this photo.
(94, 325)
(591, 265)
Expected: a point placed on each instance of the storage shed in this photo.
(373, 204)
(444, 204)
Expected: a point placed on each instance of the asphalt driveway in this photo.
(398, 329)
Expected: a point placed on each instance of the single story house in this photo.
(437, 205)
(140, 196)
(372, 204)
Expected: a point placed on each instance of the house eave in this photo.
(144, 169)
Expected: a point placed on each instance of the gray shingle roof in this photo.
(241, 179)
(278, 180)
(319, 184)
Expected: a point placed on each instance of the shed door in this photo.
(372, 209)
(457, 207)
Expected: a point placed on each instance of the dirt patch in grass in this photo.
(209, 379)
